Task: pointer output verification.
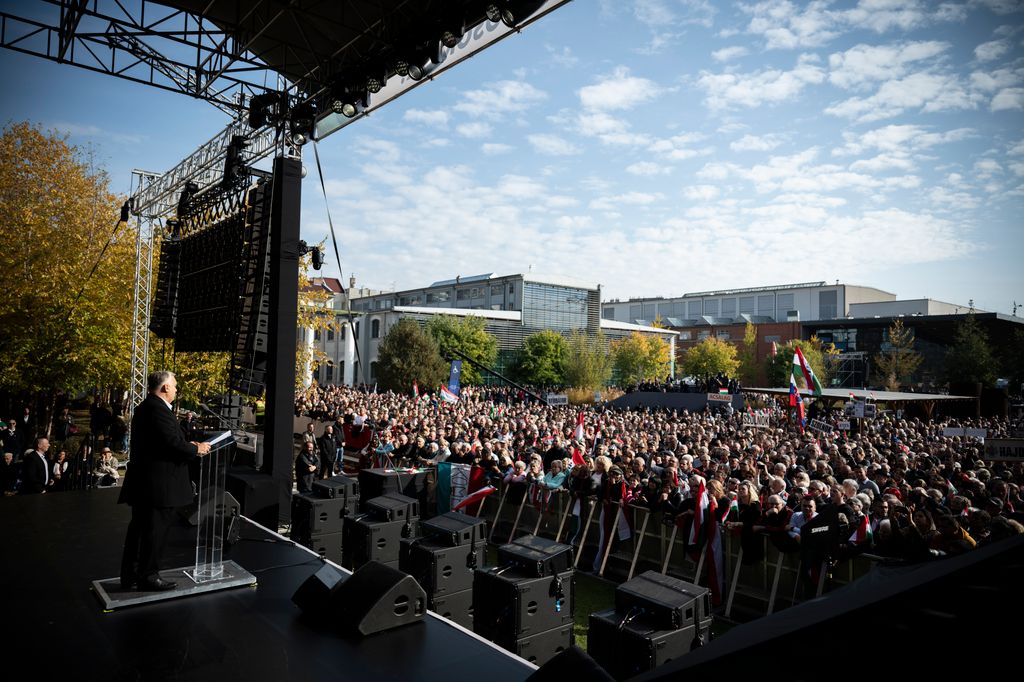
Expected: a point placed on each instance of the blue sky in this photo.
(656, 147)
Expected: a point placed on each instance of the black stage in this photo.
(55, 545)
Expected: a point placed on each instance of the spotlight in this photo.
(264, 109)
(376, 79)
(511, 12)
(346, 98)
(125, 211)
(185, 199)
(303, 117)
(409, 61)
(496, 13)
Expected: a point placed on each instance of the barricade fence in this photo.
(765, 583)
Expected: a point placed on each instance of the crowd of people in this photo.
(898, 487)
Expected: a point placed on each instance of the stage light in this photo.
(303, 117)
(125, 211)
(496, 13)
(450, 27)
(376, 79)
(264, 109)
(346, 98)
(511, 12)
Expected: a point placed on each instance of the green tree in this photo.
(467, 335)
(779, 368)
(710, 356)
(970, 358)
(897, 365)
(589, 365)
(56, 216)
(542, 359)
(640, 357)
(409, 354)
(748, 355)
(1013, 362)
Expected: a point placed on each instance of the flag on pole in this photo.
(698, 514)
(800, 414)
(794, 395)
(448, 396)
(579, 434)
(716, 566)
(475, 497)
(734, 506)
(775, 349)
(723, 391)
(800, 362)
(415, 389)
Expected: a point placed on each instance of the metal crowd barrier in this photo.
(760, 585)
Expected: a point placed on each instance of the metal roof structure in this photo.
(863, 394)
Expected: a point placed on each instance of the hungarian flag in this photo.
(723, 391)
(800, 414)
(577, 456)
(415, 389)
(734, 506)
(473, 498)
(800, 362)
(775, 349)
(579, 434)
(448, 396)
(862, 534)
(698, 514)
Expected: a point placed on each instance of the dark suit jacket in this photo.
(33, 474)
(157, 474)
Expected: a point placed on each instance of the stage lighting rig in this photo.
(511, 12)
(266, 109)
(348, 96)
(301, 121)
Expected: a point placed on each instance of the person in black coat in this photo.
(35, 469)
(306, 465)
(156, 483)
(329, 445)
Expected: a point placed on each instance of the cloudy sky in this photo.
(657, 147)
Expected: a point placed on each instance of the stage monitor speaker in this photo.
(313, 596)
(393, 507)
(256, 494)
(454, 529)
(536, 556)
(628, 647)
(572, 664)
(667, 602)
(377, 598)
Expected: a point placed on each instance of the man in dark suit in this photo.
(306, 465)
(156, 483)
(328, 451)
(35, 469)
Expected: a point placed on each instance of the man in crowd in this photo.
(35, 469)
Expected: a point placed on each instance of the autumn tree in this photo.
(467, 335)
(408, 354)
(818, 355)
(748, 355)
(709, 357)
(589, 364)
(640, 357)
(65, 324)
(897, 365)
(542, 359)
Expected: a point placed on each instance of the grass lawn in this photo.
(592, 594)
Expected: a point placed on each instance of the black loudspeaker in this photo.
(314, 515)
(536, 556)
(337, 486)
(313, 596)
(441, 568)
(627, 647)
(664, 601)
(454, 529)
(377, 598)
(543, 646)
(455, 606)
(393, 507)
(368, 540)
(510, 605)
(256, 494)
(819, 537)
(376, 482)
(329, 546)
(572, 664)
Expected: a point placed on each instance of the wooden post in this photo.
(611, 536)
(586, 529)
(639, 542)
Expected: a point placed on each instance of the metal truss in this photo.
(141, 41)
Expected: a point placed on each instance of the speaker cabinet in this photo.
(536, 556)
(628, 647)
(377, 598)
(315, 515)
(455, 606)
(256, 494)
(368, 540)
(330, 546)
(543, 646)
(510, 605)
(454, 529)
(393, 507)
(666, 602)
(313, 595)
(440, 568)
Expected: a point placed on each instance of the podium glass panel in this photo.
(212, 512)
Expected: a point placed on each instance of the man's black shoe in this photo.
(127, 583)
(156, 585)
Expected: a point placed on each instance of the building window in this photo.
(316, 334)
(746, 305)
(766, 305)
(375, 329)
(785, 301)
(728, 307)
(330, 373)
(497, 290)
(461, 294)
(711, 307)
(373, 369)
(773, 337)
(703, 334)
(636, 312)
(722, 334)
(828, 305)
(330, 334)
(609, 314)
(341, 371)
(341, 331)
(559, 308)
(693, 309)
(685, 336)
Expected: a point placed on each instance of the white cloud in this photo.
(991, 50)
(647, 168)
(767, 86)
(575, 222)
(619, 90)
(756, 143)
(608, 128)
(1016, 149)
(495, 148)
(1008, 99)
(1001, 6)
(701, 192)
(863, 64)
(520, 187)
(612, 202)
(435, 118)
(474, 129)
(885, 15)
(990, 81)
(562, 55)
(679, 147)
(785, 26)
(924, 91)
(552, 145)
(88, 130)
(384, 151)
(986, 168)
(727, 54)
(500, 98)
(900, 139)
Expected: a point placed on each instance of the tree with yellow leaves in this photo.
(640, 357)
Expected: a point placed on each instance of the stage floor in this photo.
(55, 545)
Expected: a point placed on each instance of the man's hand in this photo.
(204, 448)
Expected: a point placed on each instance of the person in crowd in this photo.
(157, 483)
(329, 446)
(306, 466)
(106, 469)
(9, 469)
(35, 468)
(59, 474)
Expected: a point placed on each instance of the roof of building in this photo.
(747, 290)
(514, 315)
(332, 284)
(863, 394)
(626, 326)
